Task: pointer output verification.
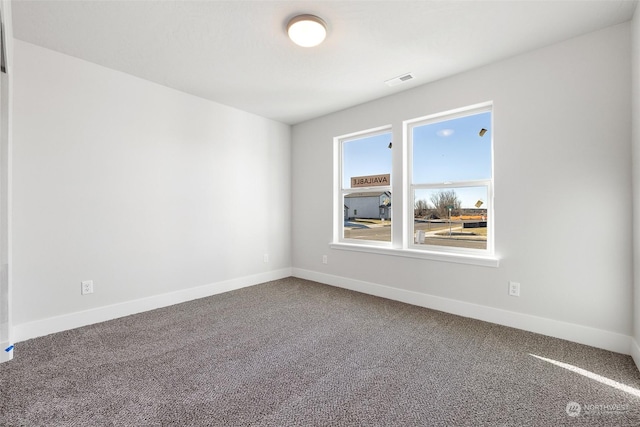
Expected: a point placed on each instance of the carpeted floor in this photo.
(297, 353)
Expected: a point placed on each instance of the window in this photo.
(451, 181)
(365, 189)
(445, 197)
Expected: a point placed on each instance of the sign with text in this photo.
(371, 180)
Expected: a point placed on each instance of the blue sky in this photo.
(445, 151)
(452, 150)
(366, 156)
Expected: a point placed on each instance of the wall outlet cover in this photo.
(87, 287)
(514, 289)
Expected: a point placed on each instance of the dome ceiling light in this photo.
(307, 30)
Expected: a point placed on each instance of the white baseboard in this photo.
(635, 352)
(568, 331)
(38, 328)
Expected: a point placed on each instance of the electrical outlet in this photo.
(324, 259)
(87, 287)
(514, 289)
(266, 258)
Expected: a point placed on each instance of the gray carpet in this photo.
(297, 353)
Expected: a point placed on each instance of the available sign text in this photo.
(370, 180)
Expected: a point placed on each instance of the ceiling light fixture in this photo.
(307, 30)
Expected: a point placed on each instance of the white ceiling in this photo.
(237, 52)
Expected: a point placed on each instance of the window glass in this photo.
(453, 217)
(452, 181)
(368, 216)
(366, 187)
(367, 156)
(452, 150)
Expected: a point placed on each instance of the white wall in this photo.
(6, 92)
(143, 189)
(562, 194)
(635, 57)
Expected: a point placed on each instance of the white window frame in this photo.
(408, 127)
(340, 192)
(402, 244)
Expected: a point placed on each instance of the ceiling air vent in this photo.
(400, 79)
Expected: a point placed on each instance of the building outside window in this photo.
(365, 189)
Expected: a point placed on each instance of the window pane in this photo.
(453, 150)
(366, 157)
(367, 216)
(454, 217)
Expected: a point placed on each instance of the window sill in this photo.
(481, 260)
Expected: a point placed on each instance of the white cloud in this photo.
(445, 132)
